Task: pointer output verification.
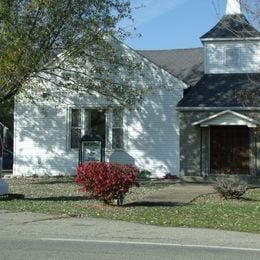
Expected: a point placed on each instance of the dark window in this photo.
(75, 127)
(232, 57)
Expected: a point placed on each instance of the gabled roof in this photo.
(185, 64)
(227, 117)
(232, 26)
(224, 90)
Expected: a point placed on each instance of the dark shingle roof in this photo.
(232, 26)
(185, 64)
(224, 90)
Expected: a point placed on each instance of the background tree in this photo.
(6, 114)
(70, 43)
(252, 10)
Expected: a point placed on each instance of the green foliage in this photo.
(230, 189)
(6, 115)
(144, 174)
(53, 40)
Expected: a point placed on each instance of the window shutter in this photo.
(118, 129)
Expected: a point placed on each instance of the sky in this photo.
(172, 24)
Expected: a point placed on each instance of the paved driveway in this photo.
(179, 193)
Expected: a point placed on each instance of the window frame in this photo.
(235, 61)
(109, 114)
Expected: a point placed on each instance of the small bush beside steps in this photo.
(230, 188)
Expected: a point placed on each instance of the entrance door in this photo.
(229, 150)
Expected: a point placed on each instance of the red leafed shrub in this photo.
(106, 181)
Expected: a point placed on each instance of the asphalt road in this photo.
(42, 249)
(39, 236)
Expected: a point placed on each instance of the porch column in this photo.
(204, 151)
(257, 152)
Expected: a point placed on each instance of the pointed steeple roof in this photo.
(232, 25)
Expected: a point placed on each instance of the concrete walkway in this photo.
(176, 194)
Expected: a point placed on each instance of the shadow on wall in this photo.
(121, 157)
(41, 132)
(153, 136)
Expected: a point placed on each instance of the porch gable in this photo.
(227, 118)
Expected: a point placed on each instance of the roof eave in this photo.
(216, 108)
(230, 39)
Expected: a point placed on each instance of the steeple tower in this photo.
(233, 25)
(233, 7)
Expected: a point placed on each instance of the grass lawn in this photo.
(61, 196)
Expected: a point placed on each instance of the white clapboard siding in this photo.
(41, 131)
(153, 135)
(215, 57)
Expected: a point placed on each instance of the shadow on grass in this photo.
(53, 182)
(59, 198)
(154, 204)
(11, 196)
(245, 199)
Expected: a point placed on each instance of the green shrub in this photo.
(230, 189)
(144, 174)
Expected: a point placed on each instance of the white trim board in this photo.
(217, 108)
(228, 118)
(230, 39)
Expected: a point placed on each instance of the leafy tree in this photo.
(6, 115)
(70, 43)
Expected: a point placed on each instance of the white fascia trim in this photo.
(231, 39)
(248, 121)
(217, 108)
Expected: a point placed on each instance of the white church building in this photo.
(156, 135)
